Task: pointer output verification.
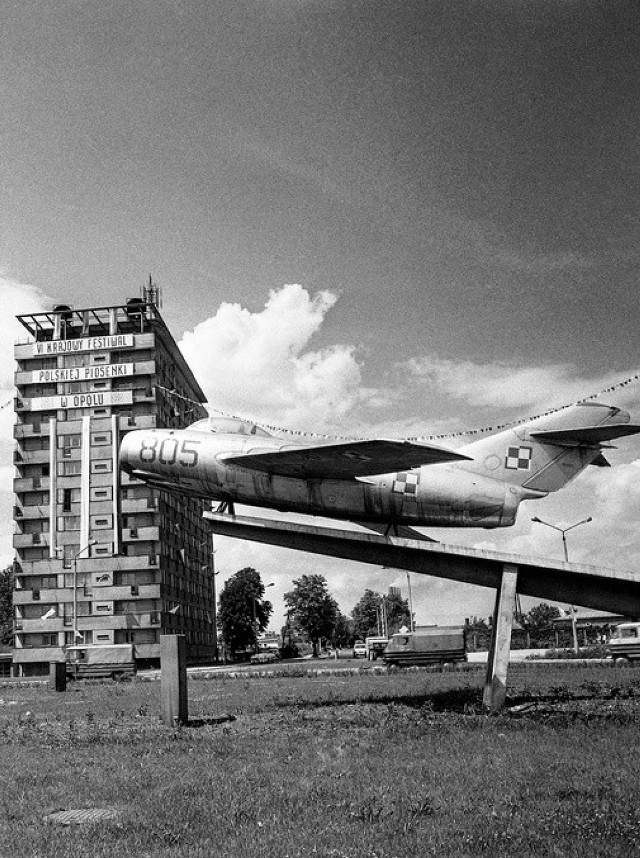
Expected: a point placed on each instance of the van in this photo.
(96, 661)
(437, 645)
(624, 644)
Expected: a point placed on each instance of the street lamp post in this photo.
(410, 601)
(76, 633)
(255, 615)
(563, 531)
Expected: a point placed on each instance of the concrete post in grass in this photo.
(495, 689)
(57, 676)
(173, 679)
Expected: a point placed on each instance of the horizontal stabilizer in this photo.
(600, 461)
(345, 459)
(585, 435)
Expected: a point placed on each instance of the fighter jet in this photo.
(383, 484)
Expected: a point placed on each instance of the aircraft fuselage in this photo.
(193, 462)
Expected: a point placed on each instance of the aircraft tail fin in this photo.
(548, 452)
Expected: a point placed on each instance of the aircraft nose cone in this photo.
(129, 444)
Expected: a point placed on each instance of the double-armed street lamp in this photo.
(564, 531)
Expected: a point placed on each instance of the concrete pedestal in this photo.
(57, 676)
(173, 679)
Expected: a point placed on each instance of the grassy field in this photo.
(339, 766)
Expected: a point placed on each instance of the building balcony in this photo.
(28, 513)
(141, 421)
(47, 596)
(28, 655)
(119, 621)
(140, 534)
(131, 505)
(53, 624)
(144, 367)
(30, 484)
(31, 430)
(30, 540)
(22, 458)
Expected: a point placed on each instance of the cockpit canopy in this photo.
(228, 426)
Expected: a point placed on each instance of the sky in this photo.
(366, 217)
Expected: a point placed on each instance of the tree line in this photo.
(312, 613)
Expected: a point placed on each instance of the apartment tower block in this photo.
(102, 558)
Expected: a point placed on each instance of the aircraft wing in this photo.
(345, 459)
(587, 435)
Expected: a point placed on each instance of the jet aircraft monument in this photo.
(379, 483)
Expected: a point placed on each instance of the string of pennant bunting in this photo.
(439, 437)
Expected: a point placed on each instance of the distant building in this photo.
(592, 626)
(97, 551)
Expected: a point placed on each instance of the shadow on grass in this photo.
(210, 721)
(469, 700)
(454, 700)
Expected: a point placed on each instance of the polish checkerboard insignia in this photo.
(518, 458)
(406, 483)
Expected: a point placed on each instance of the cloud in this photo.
(504, 385)
(17, 299)
(260, 364)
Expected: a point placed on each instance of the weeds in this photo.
(376, 765)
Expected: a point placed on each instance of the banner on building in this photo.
(83, 344)
(80, 373)
(80, 400)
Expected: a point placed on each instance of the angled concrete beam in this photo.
(615, 590)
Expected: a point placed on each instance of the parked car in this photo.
(359, 649)
(266, 657)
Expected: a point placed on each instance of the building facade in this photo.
(101, 558)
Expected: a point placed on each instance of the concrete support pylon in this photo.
(495, 688)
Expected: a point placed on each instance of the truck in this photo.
(624, 643)
(99, 661)
(427, 646)
(375, 646)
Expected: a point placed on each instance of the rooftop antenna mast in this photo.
(151, 293)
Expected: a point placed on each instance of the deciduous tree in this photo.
(6, 605)
(342, 632)
(538, 623)
(368, 614)
(312, 609)
(243, 612)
